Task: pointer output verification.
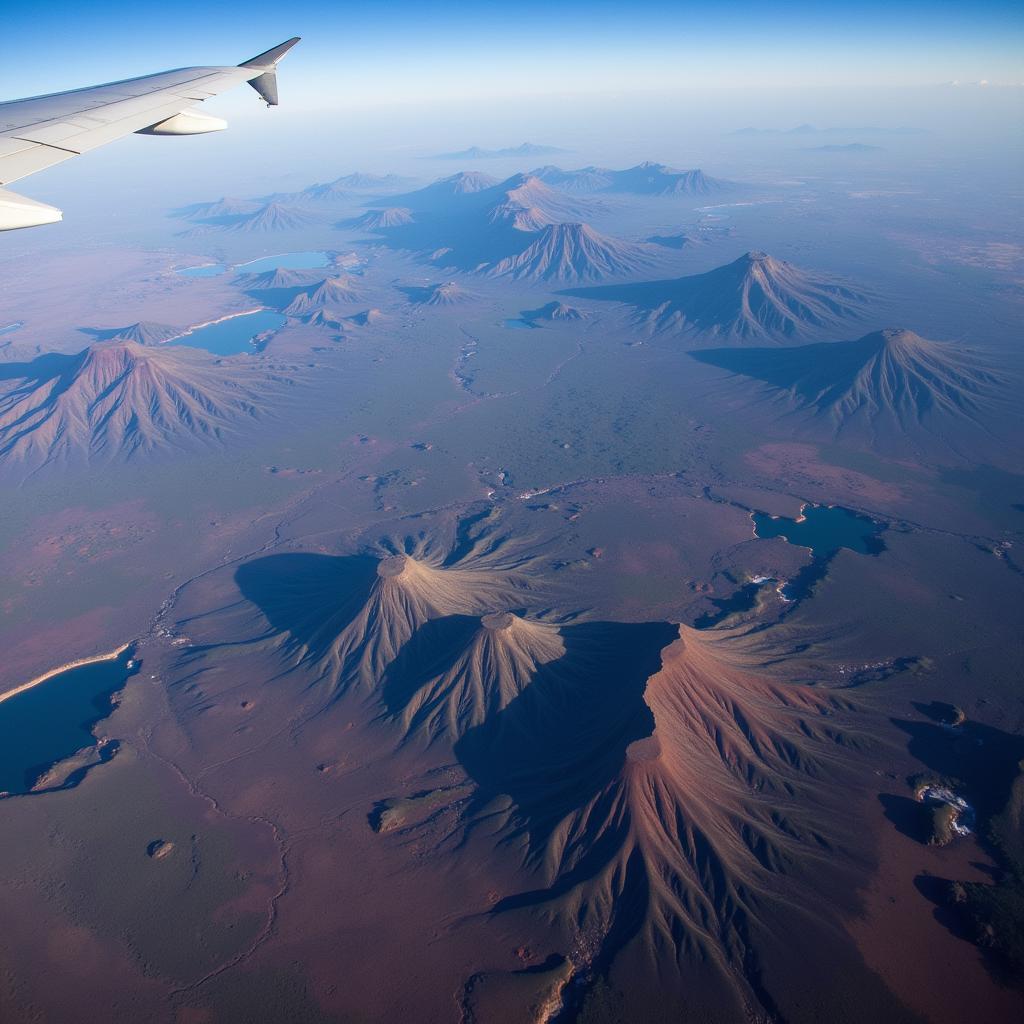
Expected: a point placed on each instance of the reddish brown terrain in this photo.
(470, 643)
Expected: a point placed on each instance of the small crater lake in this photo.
(824, 530)
(54, 719)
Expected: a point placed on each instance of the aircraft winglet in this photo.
(266, 84)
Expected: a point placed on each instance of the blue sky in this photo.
(387, 52)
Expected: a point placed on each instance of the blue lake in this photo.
(286, 260)
(229, 337)
(520, 325)
(824, 530)
(55, 719)
(206, 270)
(9, 328)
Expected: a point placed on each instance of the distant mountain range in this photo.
(116, 399)
(523, 202)
(648, 179)
(272, 216)
(226, 207)
(338, 190)
(478, 153)
(810, 129)
(755, 297)
(342, 188)
(848, 147)
(520, 227)
(888, 386)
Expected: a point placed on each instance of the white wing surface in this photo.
(45, 130)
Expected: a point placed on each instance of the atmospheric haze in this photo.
(528, 531)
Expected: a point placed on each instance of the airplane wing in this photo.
(45, 130)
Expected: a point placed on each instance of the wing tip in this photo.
(270, 57)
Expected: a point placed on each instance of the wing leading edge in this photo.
(41, 131)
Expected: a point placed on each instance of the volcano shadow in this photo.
(909, 817)
(984, 759)
(670, 795)
(309, 598)
(887, 383)
(564, 738)
(815, 373)
(350, 617)
(431, 651)
(47, 367)
(276, 298)
(936, 891)
(416, 293)
(469, 239)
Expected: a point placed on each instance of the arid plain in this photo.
(586, 594)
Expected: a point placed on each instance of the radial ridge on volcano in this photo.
(528, 204)
(281, 277)
(573, 252)
(331, 292)
(448, 293)
(554, 312)
(145, 332)
(893, 372)
(454, 673)
(666, 811)
(120, 398)
(349, 617)
(376, 220)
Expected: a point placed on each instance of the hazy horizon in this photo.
(528, 530)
